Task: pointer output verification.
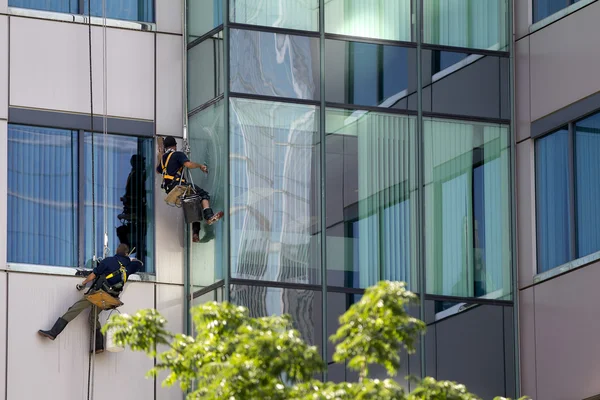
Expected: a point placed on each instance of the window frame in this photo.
(534, 6)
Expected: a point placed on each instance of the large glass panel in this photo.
(130, 10)
(64, 6)
(124, 185)
(202, 17)
(449, 87)
(587, 172)
(553, 198)
(371, 198)
(205, 71)
(207, 142)
(466, 23)
(467, 209)
(304, 306)
(369, 74)
(275, 64)
(275, 191)
(380, 19)
(42, 196)
(545, 8)
(291, 14)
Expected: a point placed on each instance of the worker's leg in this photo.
(69, 316)
(94, 320)
(208, 213)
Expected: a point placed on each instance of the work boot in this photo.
(210, 217)
(58, 327)
(99, 347)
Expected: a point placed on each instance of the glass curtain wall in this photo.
(375, 146)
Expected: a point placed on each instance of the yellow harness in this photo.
(164, 170)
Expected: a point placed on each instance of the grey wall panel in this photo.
(526, 232)
(3, 305)
(49, 65)
(168, 16)
(35, 302)
(522, 17)
(522, 89)
(169, 302)
(130, 72)
(566, 48)
(3, 6)
(3, 65)
(3, 192)
(527, 344)
(566, 335)
(169, 230)
(126, 370)
(169, 85)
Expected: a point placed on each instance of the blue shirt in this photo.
(111, 264)
(175, 163)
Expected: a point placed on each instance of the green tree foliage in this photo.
(234, 356)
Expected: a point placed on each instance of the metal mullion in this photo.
(227, 173)
(572, 194)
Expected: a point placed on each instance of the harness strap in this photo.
(164, 169)
(123, 271)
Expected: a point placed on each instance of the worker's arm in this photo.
(193, 165)
(87, 280)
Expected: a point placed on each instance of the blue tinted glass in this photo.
(130, 10)
(42, 196)
(587, 167)
(553, 200)
(65, 6)
(545, 8)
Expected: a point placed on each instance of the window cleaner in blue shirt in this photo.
(171, 164)
(108, 275)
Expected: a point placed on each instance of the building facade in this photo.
(557, 135)
(348, 141)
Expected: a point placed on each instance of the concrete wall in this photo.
(44, 64)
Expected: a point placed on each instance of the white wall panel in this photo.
(3, 65)
(38, 366)
(169, 302)
(526, 232)
(3, 192)
(123, 375)
(49, 65)
(168, 16)
(169, 85)
(522, 89)
(523, 13)
(3, 334)
(3, 6)
(130, 72)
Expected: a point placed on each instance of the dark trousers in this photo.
(201, 192)
(78, 307)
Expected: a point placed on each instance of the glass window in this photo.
(371, 198)
(275, 191)
(291, 14)
(545, 8)
(467, 209)
(275, 64)
(42, 196)
(202, 17)
(587, 168)
(369, 74)
(449, 87)
(383, 19)
(466, 23)
(207, 142)
(205, 71)
(553, 197)
(130, 10)
(54, 201)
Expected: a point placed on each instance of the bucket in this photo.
(111, 345)
(192, 208)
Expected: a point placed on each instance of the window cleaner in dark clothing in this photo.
(171, 165)
(108, 275)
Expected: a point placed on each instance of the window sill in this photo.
(68, 271)
(563, 269)
(82, 19)
(559, 14)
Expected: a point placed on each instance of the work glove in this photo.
(80, 287)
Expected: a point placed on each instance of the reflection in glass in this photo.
(545, 8)
(304, 306)
(467, 210)
(207, 142)
(449, 86)
(369, 74)
(553, 198)
(205, 71)
(274, 191)
(383, 19)
(466, 23)
(128, 217)
(62, 6)
(129, 10)
(274, 64)
(42, 196)
(202, 17)
(291, 14)
(371, 198)
(587, 148)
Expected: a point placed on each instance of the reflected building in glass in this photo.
(353, 141)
